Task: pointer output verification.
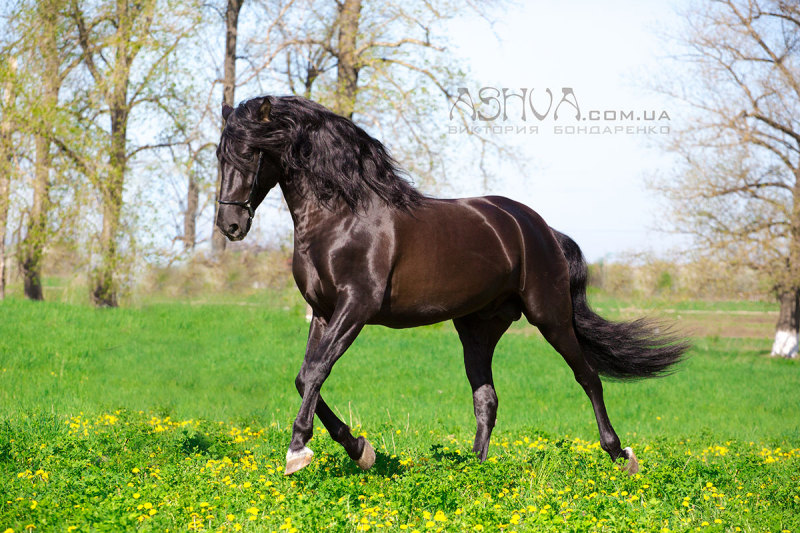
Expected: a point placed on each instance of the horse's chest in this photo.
(303, 270)
(308, 271)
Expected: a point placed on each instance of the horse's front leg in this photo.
(359, 450)
(346, 323)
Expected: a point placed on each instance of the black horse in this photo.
(371, 249)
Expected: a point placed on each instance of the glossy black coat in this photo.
(369, 249)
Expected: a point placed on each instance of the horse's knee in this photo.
(309, 376)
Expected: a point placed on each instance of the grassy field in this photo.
(175, 416)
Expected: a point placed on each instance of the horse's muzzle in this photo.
(233, 221)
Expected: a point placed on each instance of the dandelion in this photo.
(440, 517)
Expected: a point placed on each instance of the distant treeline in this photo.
(248, 270)
(700, 279)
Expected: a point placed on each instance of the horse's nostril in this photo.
(232, 229)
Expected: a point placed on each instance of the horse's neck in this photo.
(306, 211)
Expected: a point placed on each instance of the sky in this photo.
(589, 186)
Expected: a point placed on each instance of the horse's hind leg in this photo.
(563, 339)
(479, 338)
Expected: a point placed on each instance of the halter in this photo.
(247, 204)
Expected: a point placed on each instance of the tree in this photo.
(6, 161)
(50, 57)
(736, 188)
(233, 8)
(38, 36)
(127, 49)
(386, 66)
(347, 65)
(111, 77)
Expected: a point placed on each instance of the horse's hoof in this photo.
(632, 466)
(367, 458)
(297, 460)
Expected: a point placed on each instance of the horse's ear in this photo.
(226, 111)
(264, 109)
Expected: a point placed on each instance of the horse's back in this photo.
(455, 257)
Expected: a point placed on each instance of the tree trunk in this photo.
(786, 329)
(347, 68)
(32, 247)
(105, 287)
(190, 216)
(6, 164)
(218, 241)
(104, 293)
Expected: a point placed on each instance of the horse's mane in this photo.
(331, 156)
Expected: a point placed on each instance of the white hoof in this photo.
(632, 466)
(297, 460)
(367, 458)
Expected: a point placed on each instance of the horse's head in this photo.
(249, 170)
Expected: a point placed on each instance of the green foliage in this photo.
(124, 470)
(177, 416)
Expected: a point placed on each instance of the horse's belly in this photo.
(435, 292)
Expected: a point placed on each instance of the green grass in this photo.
(187, 408)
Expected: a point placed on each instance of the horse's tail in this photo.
(623, 350)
